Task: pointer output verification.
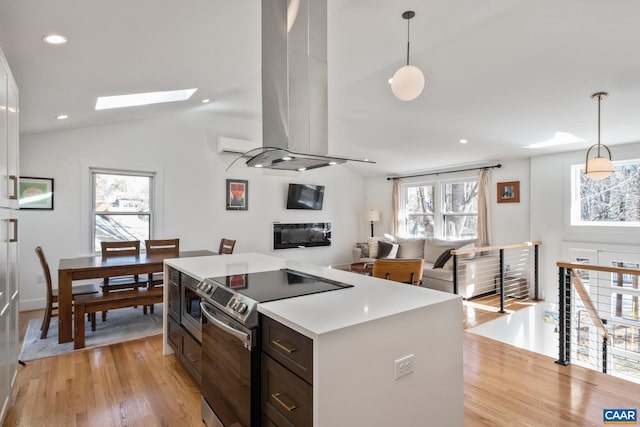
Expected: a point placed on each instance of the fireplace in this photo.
(301, 235)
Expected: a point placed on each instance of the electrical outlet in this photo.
(403, 366)
(40, 278)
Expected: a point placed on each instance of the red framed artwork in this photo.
(237, 195)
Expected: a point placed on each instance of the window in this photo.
(613, 201)
(442, 209)
(122, 206)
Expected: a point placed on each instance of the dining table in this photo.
(95, 267)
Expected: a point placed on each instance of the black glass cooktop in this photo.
(278, 284)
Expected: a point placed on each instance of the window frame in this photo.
(439, 212)
(92, 201)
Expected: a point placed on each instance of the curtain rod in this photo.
(439, 173)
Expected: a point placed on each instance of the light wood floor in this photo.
(132, 384)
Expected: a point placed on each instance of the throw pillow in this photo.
(443, 258)
(364, 248)
(373, 247)
(387, 250)
(410, 248)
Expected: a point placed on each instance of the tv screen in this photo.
(305, 196)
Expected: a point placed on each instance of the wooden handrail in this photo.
(495, 248)
(576, 266)
(588, 304)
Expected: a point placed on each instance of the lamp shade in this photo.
(599, 168)
(407, 83)
(374, 216)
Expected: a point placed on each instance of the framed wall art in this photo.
(509, 192)
(35, 193)
(237, 195)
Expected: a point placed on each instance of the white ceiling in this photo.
(501, 73)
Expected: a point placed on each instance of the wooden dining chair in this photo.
(164, 247)
(399, 270)
(116, 283)
(226, 246)
(51, 310)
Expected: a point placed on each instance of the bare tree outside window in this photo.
(611, 201)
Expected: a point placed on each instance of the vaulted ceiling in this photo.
(502, 74)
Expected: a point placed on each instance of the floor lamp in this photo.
(374, 216)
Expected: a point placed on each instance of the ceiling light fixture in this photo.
(463, 141)
(54, 39)
(62, 116)
(407, 83)
(147, 98)
(206, 101)
(598, 167)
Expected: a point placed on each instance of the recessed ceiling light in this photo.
(333, 163)
(147, 98)
(302, 169)
(258, 166)
(54, 39)
(62, 116)
(286, 158)
(463, 141)
(206, 101)
(390, 80)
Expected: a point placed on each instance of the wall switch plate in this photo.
(403, 366)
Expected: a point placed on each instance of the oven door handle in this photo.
(242, 336)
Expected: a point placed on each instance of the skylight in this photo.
(559, 138)
(134, 99)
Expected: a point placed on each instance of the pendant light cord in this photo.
(408, 23)
(599, 99)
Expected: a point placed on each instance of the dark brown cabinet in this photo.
(186, 346)
(286, 376)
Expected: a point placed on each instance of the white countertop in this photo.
(313, 315)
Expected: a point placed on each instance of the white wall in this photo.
(191, 192)
(550, 213)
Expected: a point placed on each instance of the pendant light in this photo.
(598, 167)
(408, 81)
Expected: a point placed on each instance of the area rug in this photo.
(123, 324)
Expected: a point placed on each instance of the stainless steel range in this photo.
(230, 349)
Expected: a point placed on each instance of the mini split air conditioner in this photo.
(232, 145)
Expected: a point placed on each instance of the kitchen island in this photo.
(361, 338)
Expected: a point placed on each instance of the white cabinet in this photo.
(9, 281)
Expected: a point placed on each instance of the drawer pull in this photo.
(14, 196)
(192, 358)
(276, 397)
(278, 343)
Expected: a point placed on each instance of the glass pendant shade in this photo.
(407, 83)
(599, 168)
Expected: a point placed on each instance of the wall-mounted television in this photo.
(305, 196)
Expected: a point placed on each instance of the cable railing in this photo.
(497, 273)
(599, 317)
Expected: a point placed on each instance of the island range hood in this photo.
(294, 88)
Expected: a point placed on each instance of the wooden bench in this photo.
(99, 302)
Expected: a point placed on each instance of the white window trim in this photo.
(574, 205)
(86, 188)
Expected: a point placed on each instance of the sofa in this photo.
(471, 268)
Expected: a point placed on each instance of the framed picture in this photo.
(509, 192)
(35, 193)
(237, 195)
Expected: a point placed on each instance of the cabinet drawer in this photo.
(173, 337)
(292, 349)
(286, 399)
(174, 275)
(192, 355)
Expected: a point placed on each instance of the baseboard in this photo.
(32, 304)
